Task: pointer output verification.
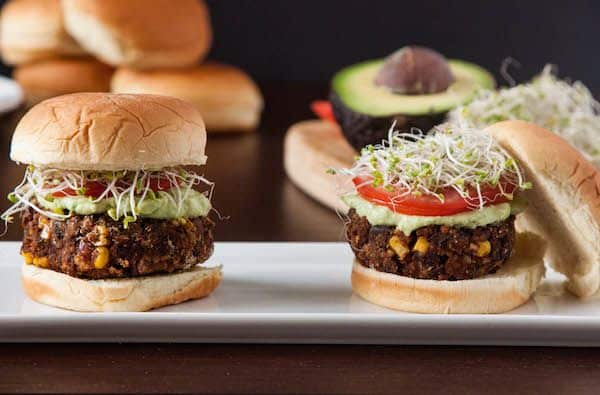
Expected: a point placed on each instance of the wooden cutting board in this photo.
(310, 149)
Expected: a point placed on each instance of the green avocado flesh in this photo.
(163, 205)
(380, 215)
(355, 86)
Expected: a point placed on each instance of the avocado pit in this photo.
(415, 70)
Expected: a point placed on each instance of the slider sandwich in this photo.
(432, 223)
(113, 217)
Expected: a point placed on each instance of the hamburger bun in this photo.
(226, 97)
(105, 131)
(141, 33)
(310, 149)
(125, 294)
(32, 30)
(564, 204)
(502, 291)
(54, 77)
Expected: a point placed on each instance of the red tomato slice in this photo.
(323, 109)
(160, 184)
(428, 205)
(92, 188)
(95, 189)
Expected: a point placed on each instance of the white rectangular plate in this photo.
(294, 293)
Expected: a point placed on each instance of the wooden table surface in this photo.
(262, 204)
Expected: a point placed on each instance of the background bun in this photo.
(141, 33)
(564, 204)
(33, 30)
(310, 149)
(54, 77)
(226, 97)
(502, 291)
(126, 294)
(104, 131)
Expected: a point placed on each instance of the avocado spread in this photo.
(380, 215)
(160, 205)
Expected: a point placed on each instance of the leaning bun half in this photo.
(502, 291)
(226, 96)
(564, 203)
(105, 131)
(32, 30)
(310, 149)
(141, 33)
(128, 294)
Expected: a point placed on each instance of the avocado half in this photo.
(366, 111)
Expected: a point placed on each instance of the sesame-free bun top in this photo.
(54, 77)
(33, 30)
(141, 33)
(104, 131)
(564, 203)
(226, 96)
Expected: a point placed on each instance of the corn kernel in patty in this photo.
(102, 258)
(398, 247)
(421, 245)
(483, 248)
(28, 257)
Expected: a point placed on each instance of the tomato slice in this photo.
(95, 189)
(323, 109)
(92, 189)
(160, 184)
(429, 205)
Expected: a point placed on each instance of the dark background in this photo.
(308, 40)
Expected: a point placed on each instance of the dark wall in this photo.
(310, 39)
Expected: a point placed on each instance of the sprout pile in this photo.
(568, 110)
(466, 161)
(127, 188)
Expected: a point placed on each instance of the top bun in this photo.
(33, 30)
(141, 33)
(104, 131)
(564, 204)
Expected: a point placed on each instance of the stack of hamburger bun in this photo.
(153, 46)
(48, 61)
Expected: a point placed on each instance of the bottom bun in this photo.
(502, 291)
(126, 294)
(310, 149)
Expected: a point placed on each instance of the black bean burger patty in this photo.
(95, 246)
(432, 252)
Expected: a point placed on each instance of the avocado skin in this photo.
(361, 129)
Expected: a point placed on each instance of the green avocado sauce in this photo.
(380, 215)
(162, 205)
